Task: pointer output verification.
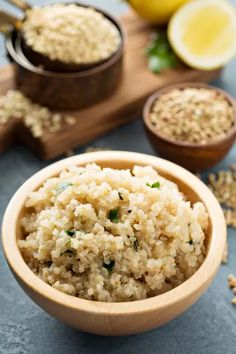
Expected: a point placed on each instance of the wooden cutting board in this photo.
(125, 105)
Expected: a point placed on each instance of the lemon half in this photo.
(203, 33)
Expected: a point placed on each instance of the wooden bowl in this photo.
(66, 90)
(125, 317)
(194, 157)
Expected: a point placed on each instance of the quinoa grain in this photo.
(194, 115)
(37, 118)
(223, 185)
(71, 33)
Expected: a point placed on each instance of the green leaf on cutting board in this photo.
(160, 54)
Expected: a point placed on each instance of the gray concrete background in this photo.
(208, 327)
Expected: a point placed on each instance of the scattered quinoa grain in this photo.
(232, 285)
(38, 119)
(223, 185)
(226, 254)
(234, 301)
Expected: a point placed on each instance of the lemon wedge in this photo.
(203, 33)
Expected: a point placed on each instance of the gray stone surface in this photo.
(208, 327)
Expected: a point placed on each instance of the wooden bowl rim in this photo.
(211, 144)
(175, 296)
(98, 67)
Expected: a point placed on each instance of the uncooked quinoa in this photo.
(223, 185)
(39, 119)
(232, 285)
(195, 115)
(71, 33)
(112, 235)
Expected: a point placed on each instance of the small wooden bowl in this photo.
(125, 317)
(194, 157)
(68, 90)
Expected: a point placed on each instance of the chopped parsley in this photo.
(114, 215)
(120, 196)
(109, 266)
(62, 186)
(70, 233)
(154, 185)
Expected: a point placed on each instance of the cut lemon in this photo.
(203, 33)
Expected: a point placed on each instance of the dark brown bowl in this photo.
(66, 91)
(194, 157)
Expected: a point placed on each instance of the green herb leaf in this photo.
(70, 233)
(62, 186)
(114, 215)
(120, 196)
(109, 266)
(154, 185)
(160, 53)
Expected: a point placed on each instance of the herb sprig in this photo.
(160, 54)
(109, 266)
(154, 185)
(114, 215)
(70, 233)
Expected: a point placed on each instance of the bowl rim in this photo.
(198, 281)
(211, 144)
(99, 67)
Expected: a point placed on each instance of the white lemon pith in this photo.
(203, 33)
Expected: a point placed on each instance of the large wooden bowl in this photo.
(66, 90)
(194, 157)
(127, 317)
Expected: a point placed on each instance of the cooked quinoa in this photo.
(112, 235)
(71, 33)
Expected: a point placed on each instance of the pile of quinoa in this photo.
(71, 33)
(194, 115)
(37, 118)
(223, 185)
(112, 235)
